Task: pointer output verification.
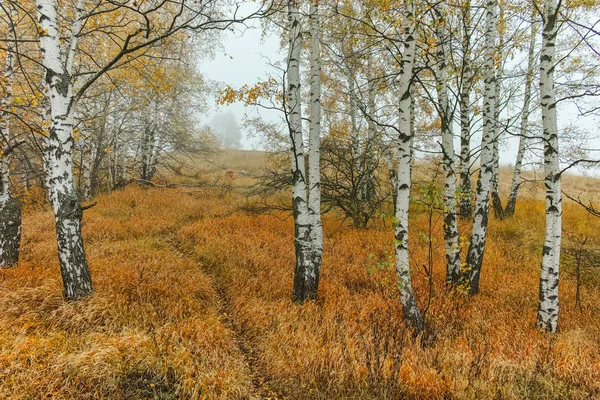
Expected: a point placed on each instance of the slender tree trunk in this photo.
(123, 166)
(453, 263)
(372, 139)
(465, 208)
(495, 192)
(59, 151)
(10, 210)
(547, 317)
(147, 150)
(86, 172)
(393, 174)
(516, 179)
(10, 220)
(352, 108)
(306, 278)
(156, 146)
(411, 312)
(480, 220)
(314, 144)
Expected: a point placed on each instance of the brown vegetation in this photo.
(193, 301)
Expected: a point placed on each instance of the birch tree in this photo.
(10, 211)
(499, 63)
(403, 143)
(466, 85)
(306, 232)
(314, 142)
(149, 143)
(58, 147)
(393, 28)
(481, 211)
(137, 28)
(451, 238)
(547, 316)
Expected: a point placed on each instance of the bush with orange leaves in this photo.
(193, 301)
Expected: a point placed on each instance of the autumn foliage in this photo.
(193, 301)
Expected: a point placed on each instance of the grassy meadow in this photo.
(192, 301)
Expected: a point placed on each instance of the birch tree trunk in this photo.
(58, 149)
(10, 210)
(480, 219)
(372, 138)
(411, 312)
(306, 278)
(352, 108)
(390, 160)
(314, 144)
(451, 237)
(547, 317)
(495, 192)
(516, 179)
(147, 150)
(465, 208)
(86, 172)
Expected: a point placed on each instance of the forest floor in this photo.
(192, 300)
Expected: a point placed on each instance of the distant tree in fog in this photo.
(226, 128)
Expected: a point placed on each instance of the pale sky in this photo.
(246, 57)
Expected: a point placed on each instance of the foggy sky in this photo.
(246, 57)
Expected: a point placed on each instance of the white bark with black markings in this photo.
(86, 172)
(547, 317)
(10, 210)
(58, 149)
(495, 191)
(451, 238)
(465, 208)
(352, 109)
(411, 312)
(314, 141)
(147, 169)
(481, 211)
(306, 274)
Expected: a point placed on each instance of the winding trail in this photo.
(260, 384)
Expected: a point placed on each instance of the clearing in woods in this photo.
(193, 295)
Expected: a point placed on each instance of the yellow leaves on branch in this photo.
(585, 4)
(251, 95)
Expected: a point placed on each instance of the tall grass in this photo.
(193, 301)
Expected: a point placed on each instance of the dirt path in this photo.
(260, 384)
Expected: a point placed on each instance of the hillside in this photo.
(192, 300)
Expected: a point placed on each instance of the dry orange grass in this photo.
(193, 301)
(152, 330)
(351, 343)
